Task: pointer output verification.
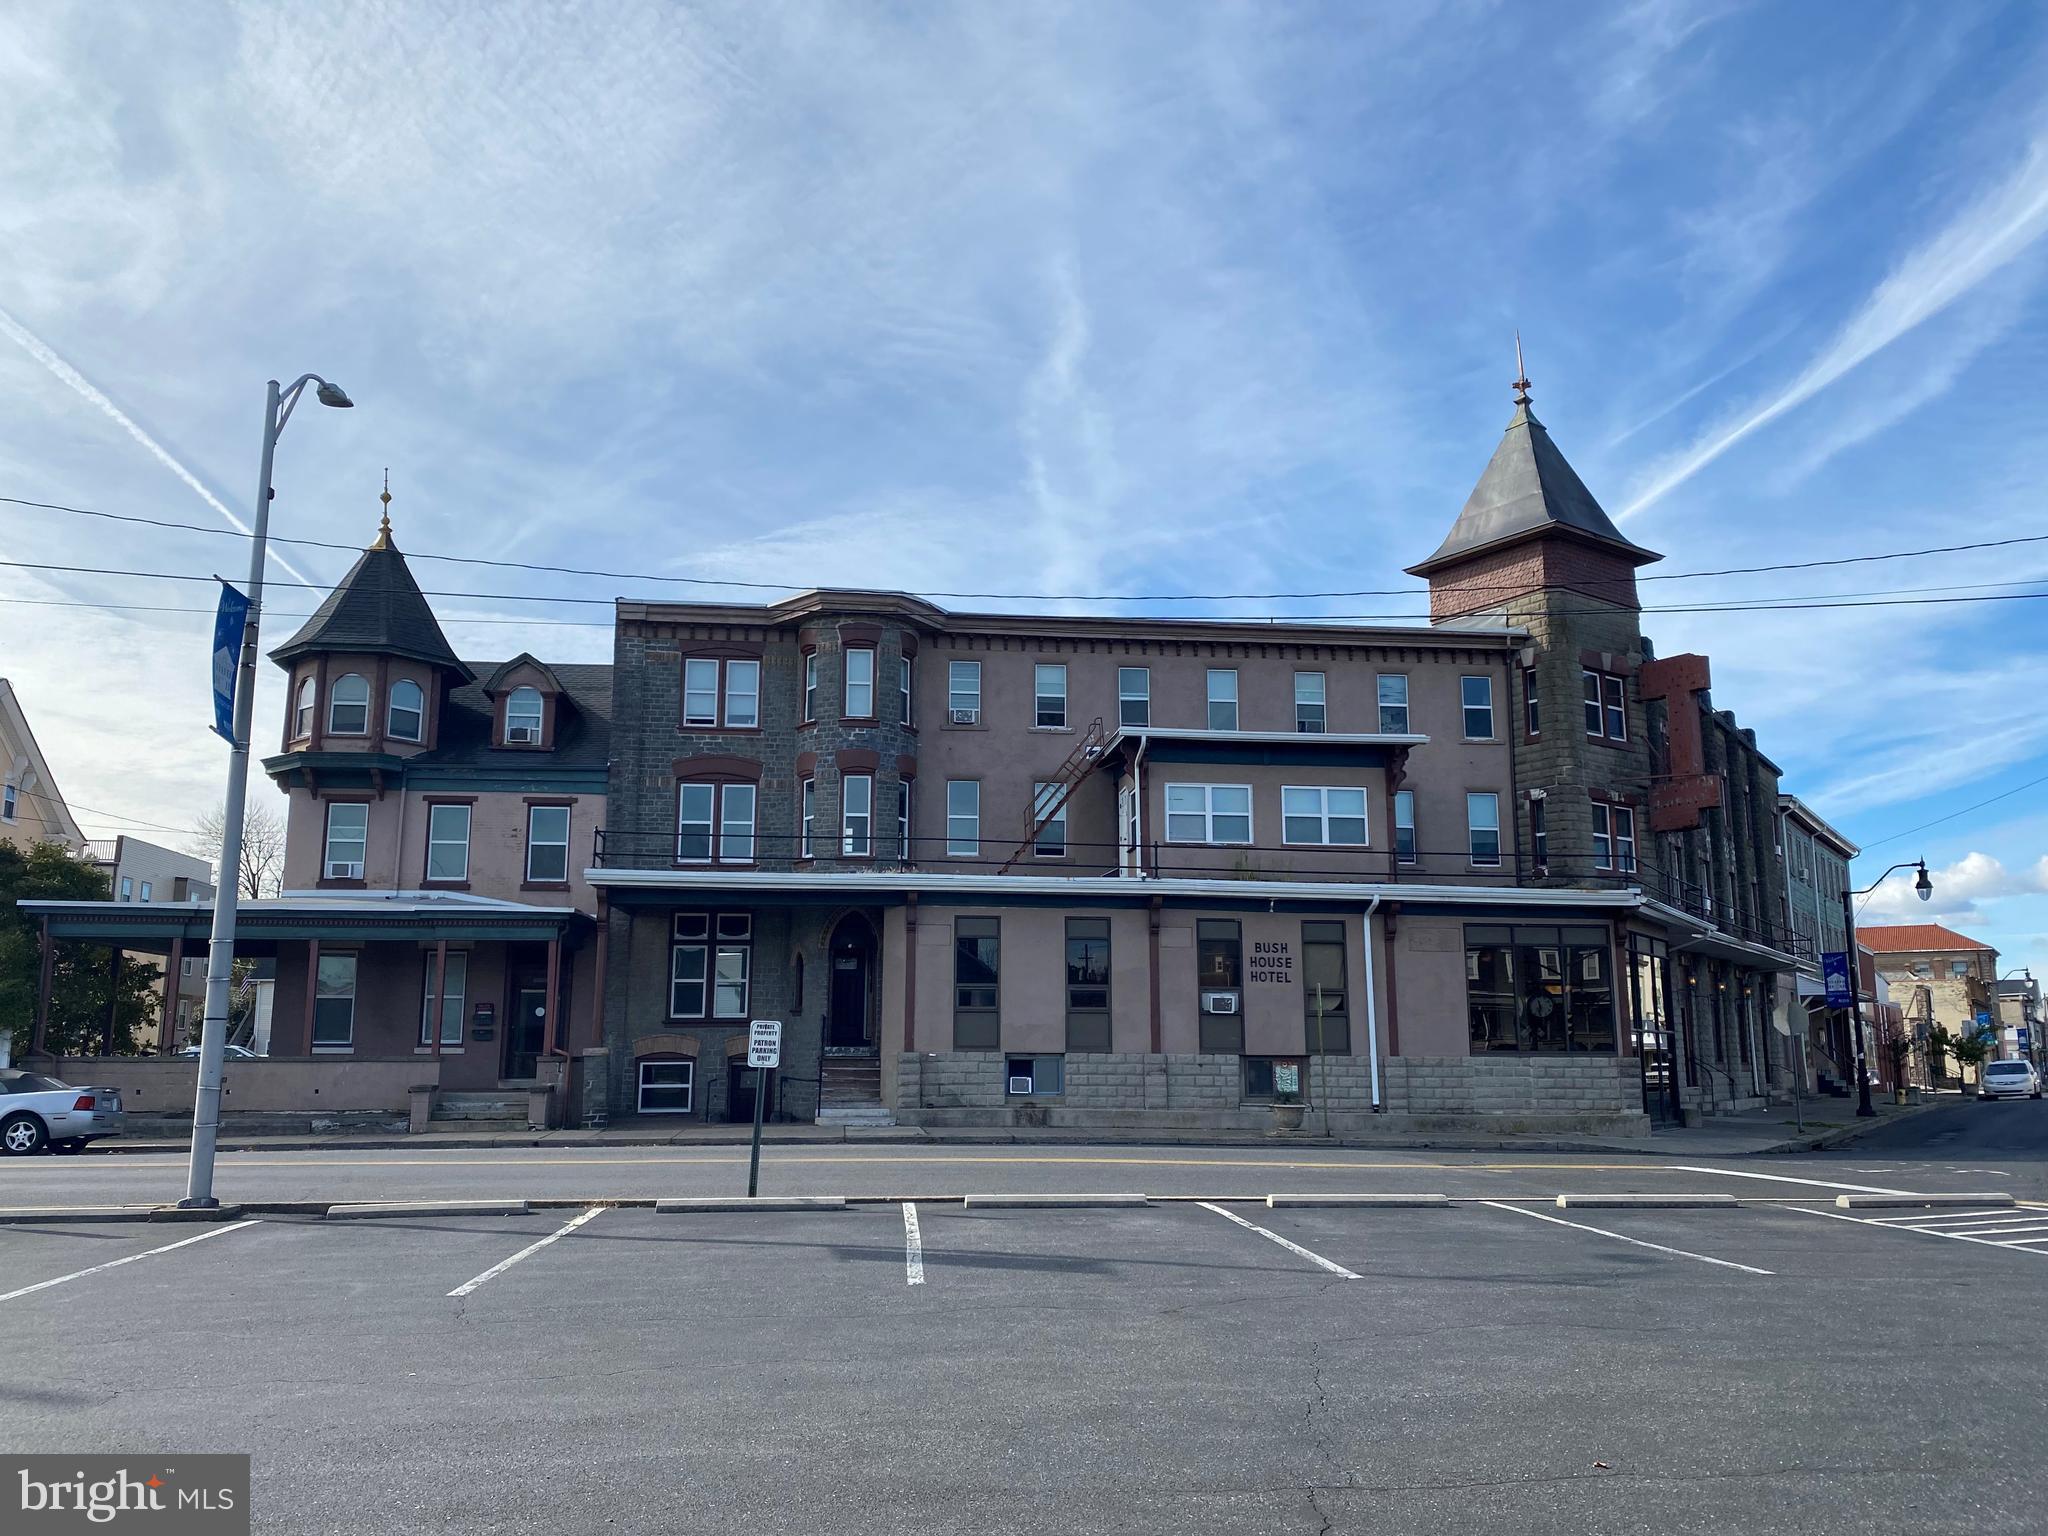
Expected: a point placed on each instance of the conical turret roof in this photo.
(376, 607)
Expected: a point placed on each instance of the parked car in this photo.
(38, 1113)
(228, 1053)
(2008, 1080)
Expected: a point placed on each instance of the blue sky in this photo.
(1098, 298)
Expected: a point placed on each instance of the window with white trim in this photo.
(810, 685)
(7, 803)
(963, 818)
(302, 713)
(523, 716)
(903, 688)
(1482, 828)
(147, 888)
(1614, 837)
(447, 842)
(1209, 813)
(1606, 705)
(1051, 839)
(348, 706)
(1311, 706)
(1475, 694)
(1539, 830)
(736, 823)
(963, 692)
(857, 815)
(742, 695)
(127, 887)
(1133, 695)
(666, 1086)
(716, 817)
(807, 817)
(334, 1003)
(547, 844)
(1222, 698)
(1323, 816)
(1049, 695)
(1532, 703)
(348, 838)
(727, 692)
(903, 850)
(453, 986)
(1393, 697)
(1405, 851)
(710, 962)
(405, 716)
(859, 698)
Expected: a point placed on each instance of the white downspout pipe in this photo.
(1372, 1009)
(1138, 810)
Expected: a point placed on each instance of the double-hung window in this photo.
(1614, 837)
(742, 695)
(7, 803)
(447, 843)
(454, 981)
(1208, 813)
(810, 685)
(1311, 707)
(127, 887)
(1087, 983)
(1482, 829)
(716, 817)
(348, 705)
(963, 818)
(1222, 698)
(406, 711)
(334, 1003)
(1050, 839)
(302, 712)
(1606, 706)
(1133, 695)
(963, 692)
(903, 820)
(1539, 831)
(700, 691)
(709, 683)
(977, 983)
(547, 844)
(903, 687)
(1532, 703)
(857, 815)
(710, 963)
(807, 817)
(523, 715)
(1404, 826)
(1475, 694)
(859, 701)
(1325, 999)
(1393, 697)
(1049, 694)
(348, 836)
(147, 889)
(1327, 817)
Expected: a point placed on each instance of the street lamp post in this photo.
(1925, 887)
(220, 954)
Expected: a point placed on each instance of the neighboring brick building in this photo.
(1937, 977)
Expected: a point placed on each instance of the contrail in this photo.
(41, 351)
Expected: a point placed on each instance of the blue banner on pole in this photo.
(1834, 975)
(227, 657)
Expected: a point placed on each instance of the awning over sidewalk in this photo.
(364, 918)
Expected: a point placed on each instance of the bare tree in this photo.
(262, 847)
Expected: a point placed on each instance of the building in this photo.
(2019, 1018)
(1938, 977)
(141, 871)
(1816, 859)
(1001, 869)
(32, 808)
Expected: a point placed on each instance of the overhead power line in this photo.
(1046, 597)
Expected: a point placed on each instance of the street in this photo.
(1203, 1362)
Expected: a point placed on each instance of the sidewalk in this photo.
(1828, 1123)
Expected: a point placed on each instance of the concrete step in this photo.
(471, 1109)
(870, 1114)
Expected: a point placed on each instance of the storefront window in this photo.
(1539, 989)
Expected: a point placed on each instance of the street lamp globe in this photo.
(334, 395)
(1924, 885)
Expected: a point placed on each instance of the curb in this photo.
(684, 1205)
(1051, 1202)
(428, 1208)
(1426, 1202)
(1645, 1202)
(23, 1216)
(2001, 1200)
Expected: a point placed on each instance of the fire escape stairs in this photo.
(1081, 762)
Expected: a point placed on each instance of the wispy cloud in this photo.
(1980, 241)
(1959, 889)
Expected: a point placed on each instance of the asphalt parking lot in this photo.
(913, 1366)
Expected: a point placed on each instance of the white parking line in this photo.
(2000, 1230)
(530, 1250)
(1962, 1222)
(44, 1285)
(913, 1247)
(1314, 1258)
(1786, 1178)
(2016, 1244)
(1682, 1253)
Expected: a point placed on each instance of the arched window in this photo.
(408, 711)
(348, 706)
(302, 712)
(522, 715)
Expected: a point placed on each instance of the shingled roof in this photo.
(1528, 489)
(376, 607)
(1914, 938)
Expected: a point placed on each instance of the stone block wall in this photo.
(1507, 1085)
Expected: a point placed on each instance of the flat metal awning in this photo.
(330, 919)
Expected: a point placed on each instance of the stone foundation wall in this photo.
(1509, 1085)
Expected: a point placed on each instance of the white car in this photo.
(38, 1113)
(2008, 1080)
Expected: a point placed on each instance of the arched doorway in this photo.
(850, 965)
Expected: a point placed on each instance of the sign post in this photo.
(764, 1050)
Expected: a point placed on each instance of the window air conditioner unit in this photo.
(964, 716)
(1020, 1085)
(1219, 1002)
(341, 871)
(521, 733)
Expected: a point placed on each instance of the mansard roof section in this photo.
(1529, 489)
(376, 607)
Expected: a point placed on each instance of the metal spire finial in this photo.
(384, 528)
(1521, 374)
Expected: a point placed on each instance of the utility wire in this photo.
(1952, 815)
(109, 816)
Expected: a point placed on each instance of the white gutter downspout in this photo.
(1138, 810)
(1372, 1009)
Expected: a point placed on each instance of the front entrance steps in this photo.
(850, 1092)
(481, 1111)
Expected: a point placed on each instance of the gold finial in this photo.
(1521, 374)
(384, 528)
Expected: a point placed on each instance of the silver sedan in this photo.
(38, 1113)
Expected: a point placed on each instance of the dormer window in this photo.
(302, 712)
(522, 717)
(408, 711)
(348, 706)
